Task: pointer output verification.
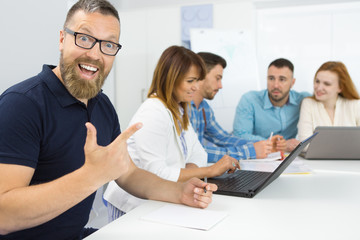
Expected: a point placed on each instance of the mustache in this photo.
(276, 89)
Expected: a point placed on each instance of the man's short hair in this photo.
(90, 6)
(282, 62)
(211, 60)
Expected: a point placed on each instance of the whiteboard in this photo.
(240, 74)
(309, 36)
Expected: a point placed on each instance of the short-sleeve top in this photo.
(43, 127)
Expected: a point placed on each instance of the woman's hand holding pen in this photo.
(193, 193)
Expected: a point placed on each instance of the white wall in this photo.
(29, 37)
(310, 36)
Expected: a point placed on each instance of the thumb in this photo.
(91, 140)
(123, 137)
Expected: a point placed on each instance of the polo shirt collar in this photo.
(58, 89)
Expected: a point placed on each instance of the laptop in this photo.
(335, 143)
(243, 183)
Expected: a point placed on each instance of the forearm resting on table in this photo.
(146, 185)
(187, 173)
(29, 206)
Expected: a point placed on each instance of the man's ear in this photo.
(61, 40)
(293, 82)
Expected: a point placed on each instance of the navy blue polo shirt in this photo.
(43, 127)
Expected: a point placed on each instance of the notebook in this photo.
(247, 184)
(335, 143)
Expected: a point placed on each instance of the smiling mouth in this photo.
(88, 70)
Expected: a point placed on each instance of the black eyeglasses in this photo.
(88, 42)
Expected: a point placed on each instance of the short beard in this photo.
(78, 87)
(285, 95)
(209, 96)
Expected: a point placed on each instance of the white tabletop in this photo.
(335, 165)
(321, 205)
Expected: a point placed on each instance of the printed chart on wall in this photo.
(241, 73)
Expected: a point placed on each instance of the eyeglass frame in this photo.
(94, 43)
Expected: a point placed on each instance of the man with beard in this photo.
(52, 159)
(272, 112)
(216, 141)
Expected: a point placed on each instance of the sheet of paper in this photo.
(185, 216)
(297, 166)
(271, 157)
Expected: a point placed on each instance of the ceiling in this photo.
(133, 4)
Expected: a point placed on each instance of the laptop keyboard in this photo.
(243, 180)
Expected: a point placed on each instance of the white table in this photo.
(335, 165)
(322, 205)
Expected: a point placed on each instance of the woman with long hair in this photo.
(335, 101)
(167, 145)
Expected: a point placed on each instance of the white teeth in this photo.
(89, 68)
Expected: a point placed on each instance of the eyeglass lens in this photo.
(86, 41)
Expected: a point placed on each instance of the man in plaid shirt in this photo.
(215, 140)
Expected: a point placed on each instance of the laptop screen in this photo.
(335, 143)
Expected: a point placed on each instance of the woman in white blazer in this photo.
(335, 101)
(167, 145)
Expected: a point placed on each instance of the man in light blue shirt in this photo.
(274, 110)
(216, 141)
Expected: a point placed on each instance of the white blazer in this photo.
(314, 114)
(157, 148)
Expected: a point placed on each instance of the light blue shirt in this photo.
(256, 117)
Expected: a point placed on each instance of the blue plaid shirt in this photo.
(215, 140)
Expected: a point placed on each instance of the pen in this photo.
(205, 180)
(271, 134)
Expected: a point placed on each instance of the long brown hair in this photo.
(170, 71)
(348, 89)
